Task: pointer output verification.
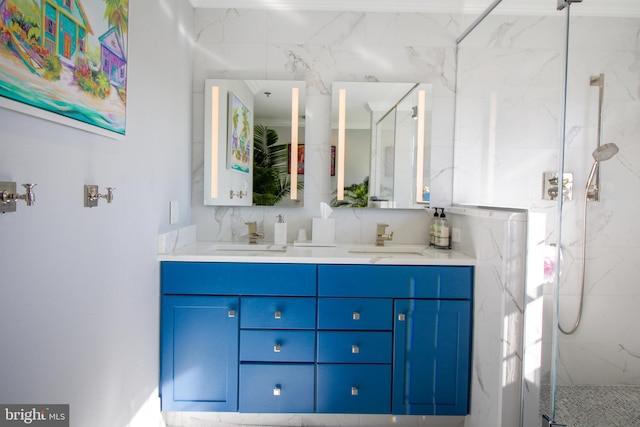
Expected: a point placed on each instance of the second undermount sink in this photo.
(247, 247)
(388, 250)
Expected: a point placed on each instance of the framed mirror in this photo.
(382, 134)
(254, 146)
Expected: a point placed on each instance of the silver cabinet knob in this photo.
(277, 390)
(355, 316)
(355, 349)
(278, 315)
(401, 317)
(276, 348)
(354, 391)
(232, 313)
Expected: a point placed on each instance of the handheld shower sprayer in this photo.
(605, 152)
(600, 154)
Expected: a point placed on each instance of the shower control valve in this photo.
(552, 187)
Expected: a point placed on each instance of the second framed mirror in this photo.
(383, 140)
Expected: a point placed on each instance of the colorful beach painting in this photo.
(66, 57)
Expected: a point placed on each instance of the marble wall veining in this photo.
(497, 239)
(510, 79)
(320, 48)
(604, 350)
(507, 135)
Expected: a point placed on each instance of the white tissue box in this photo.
(323, 231)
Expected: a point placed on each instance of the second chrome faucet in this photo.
(381, 234)
(254, 234)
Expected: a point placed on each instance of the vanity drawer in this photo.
(395, 281)
(355, 313)
(278, 313)
(281, 387)
(355, 389)
(236, 278)
(277, 346)
(354, 347)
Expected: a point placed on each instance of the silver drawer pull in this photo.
(401, 317)
(278, 315)
(355, 349)
(232, 313)
(356, 315)
(276, 348)
(276, 390)
(354, 391)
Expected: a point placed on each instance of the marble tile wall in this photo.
(507, 135)
(320, 48)
(508, 121)
(604, 350)
(497, 239)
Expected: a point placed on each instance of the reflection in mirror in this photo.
(383, 144)
(252, 138)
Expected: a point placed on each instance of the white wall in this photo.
(79, 287)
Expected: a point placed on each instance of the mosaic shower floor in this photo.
(598, 406)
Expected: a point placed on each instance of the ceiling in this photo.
(520, 7)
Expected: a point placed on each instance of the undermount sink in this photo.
(247, 247)
(389, 250)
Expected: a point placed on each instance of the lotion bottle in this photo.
(280, 231)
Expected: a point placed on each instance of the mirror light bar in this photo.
(215, 135)
(295, 97)
(420, 146)
(342, 107)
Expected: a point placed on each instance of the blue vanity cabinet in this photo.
(431, 326)
(201, 329)
(303, 338)
(199, 353)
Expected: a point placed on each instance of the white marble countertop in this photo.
(390, 254)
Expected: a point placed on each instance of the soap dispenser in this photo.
(432, 229)
(442, 231)
(280, 231)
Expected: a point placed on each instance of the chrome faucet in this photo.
(254, 235)
(381, 235)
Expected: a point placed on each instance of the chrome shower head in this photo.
(605, 152)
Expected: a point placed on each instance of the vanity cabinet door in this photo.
(432, 347)
(199, 353)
